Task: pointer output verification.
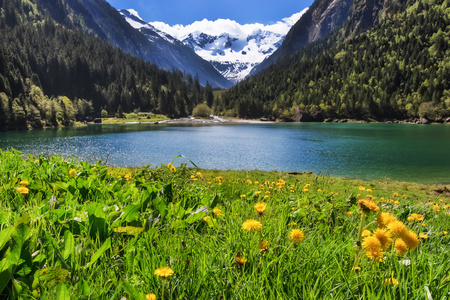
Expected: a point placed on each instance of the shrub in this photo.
(202, 111)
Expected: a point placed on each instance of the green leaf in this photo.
(69, 244)
(131, 212)
(132, 292)
(83, 288)
(62, 293)
(106, 245)
(5, 236)
(194, 217)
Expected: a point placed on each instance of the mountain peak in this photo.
(233, 49)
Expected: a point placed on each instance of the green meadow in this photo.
(77, 230)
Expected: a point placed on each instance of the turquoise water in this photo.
(415, 153)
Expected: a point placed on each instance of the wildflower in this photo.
(368, 206)
(358, 196)
(444, 232)
(366, 233)
(400, 246)
(251, 225)
(373, 249)
(257, 192)
(173, 169)
(436, 208)
(395, 194)
(296, 236)
(397, 202)
(243, 196)
(292, 224)
(349, 213)
(260, 207)
(411, 240)
(361, 188)
(150, 296)
(240, 260)
(423, 236)
(207, 218)
(369, 190)
(397, 228)
(319, 190)
(415, 216)
(164, 272)
(217, 212)
(24, 182)
(263, 246)
(249, 182)
(22, 190)
(169, 166)
(391, 281)
(72, 172)
(384, 237)
(356, 269)
(305, 190)
(404, 196)
(266, 196)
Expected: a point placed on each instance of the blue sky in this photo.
(185, 12)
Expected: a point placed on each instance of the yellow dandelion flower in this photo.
(366, 233)
(150, 296)
(169, 166)
(257, 192)
(384, 219)
(292, 224)
(207, 218)
(173, 169)
(240, 260)
(243, 196)
(411, 240)
(400, 246)
(404, 196)
(296, 236)
(391, 281)
(397, 228)
(260, 207)
(72, 172)
(217, 211)
(397, 202)
(369, 190)
(356, 269)
(423, 236)
(373, 249)
(24, 182)
(436, 208)
(416, 217)
(266, 196)
(361, 188)
(163, 272)
(395, 194)
(251, 225)
(256, 182)
(411, 218)
(305, 190)
(349, 213)
(444, 232)
(263, 246)
(368, 206)
(249, 182)
(22, 190)
(384, 237)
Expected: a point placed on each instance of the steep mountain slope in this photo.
(234, 49)
(398, 69)
(99, 18)
(52, 75)
(323, 17)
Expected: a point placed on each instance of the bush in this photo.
(202, 111)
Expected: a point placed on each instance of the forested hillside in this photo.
(398, 69)
(51, 75)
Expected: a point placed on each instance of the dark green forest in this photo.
(51, 75)
(399, 69)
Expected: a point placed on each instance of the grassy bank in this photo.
(72, 229)
(135, 118)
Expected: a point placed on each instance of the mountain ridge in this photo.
(233, 49)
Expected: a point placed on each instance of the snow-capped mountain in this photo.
(233, 49)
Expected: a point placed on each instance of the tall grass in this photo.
(87, 231)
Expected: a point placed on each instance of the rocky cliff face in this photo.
(325, 16)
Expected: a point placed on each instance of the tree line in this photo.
(51, 75)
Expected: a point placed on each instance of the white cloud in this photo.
(231, 27)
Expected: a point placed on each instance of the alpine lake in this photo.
(368, 151)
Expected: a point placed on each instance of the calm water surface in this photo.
(416, 153)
